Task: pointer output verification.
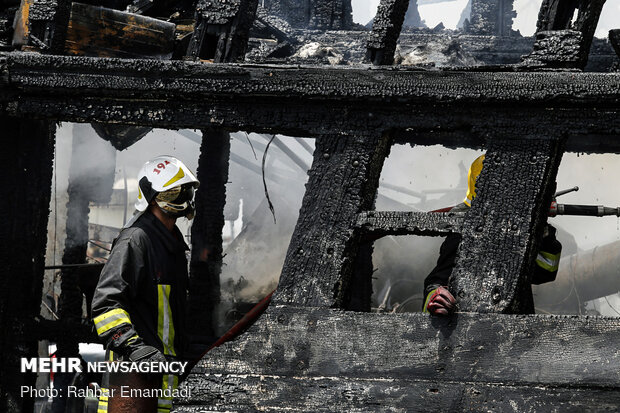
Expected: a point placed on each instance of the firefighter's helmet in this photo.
(472, 177)
(170, 183)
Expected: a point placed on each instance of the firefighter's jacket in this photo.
(545, 270)
(141, 294)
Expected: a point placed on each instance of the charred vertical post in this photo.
(222, 33)
(206, 260)
(587, 20)
(26, 160)
(343, 182)
(386, 29)
(503, 229)
(222, 30)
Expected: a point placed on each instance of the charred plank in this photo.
(296, 358)
(377, 224)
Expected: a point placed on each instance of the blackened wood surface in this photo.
(386, 27)
(26, 160)
(555, 42)
(405, 85)
(206, 260)
(435, 105)
(308, 360)
(376, 224)
(222, 29)
(556, 14)
(342, 182)
(587, 20)
(499, 246)
(47, 23)
(103, 32)
(236, 43)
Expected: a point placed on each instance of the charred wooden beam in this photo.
(222, 29)
(272, 99)
(386, 28)
(206, 260)
(104, 32)
(27, 158)
(303, 359)
(342, 182)
(377, 224)
(42, 75)
(500, 244)
(560, 41)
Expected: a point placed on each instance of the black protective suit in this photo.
(141, 295)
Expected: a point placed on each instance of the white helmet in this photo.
(170, 183)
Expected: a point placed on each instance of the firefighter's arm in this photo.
(111, 302)
(438, 299)
(548, 258)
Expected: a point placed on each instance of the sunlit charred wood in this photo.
(102, 32)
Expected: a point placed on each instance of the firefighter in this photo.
(439, 300)
(139, 304)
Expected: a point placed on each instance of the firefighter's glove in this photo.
(147, 354)
(548, 258)
(440, 302)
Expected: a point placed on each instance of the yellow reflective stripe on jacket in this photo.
(171, 382)
(548, 261)
(102, 406)
(428, 297)
(111, 319)
(165, 326)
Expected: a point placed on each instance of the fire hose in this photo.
(246, 321)
(582, 210)
(569, 209)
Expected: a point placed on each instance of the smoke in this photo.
(413, 178)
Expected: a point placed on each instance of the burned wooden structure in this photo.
(307, 353)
